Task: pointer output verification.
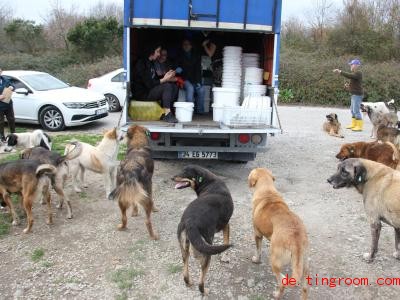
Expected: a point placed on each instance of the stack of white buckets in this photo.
(229, 94)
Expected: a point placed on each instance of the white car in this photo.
(112, 85)
(40, 98)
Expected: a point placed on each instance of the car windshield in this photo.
(44, 82)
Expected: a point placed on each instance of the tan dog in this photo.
(332, 126)
(380, 188)
(100, 159)
(273, 219)
(385, 153)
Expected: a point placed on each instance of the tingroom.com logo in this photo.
(333, 282)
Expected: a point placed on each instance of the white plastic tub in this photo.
(218, 112)
(184, 111)
(226, 96)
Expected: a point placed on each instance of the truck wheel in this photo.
(113, 103)
(51, 119)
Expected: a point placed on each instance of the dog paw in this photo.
(256, 260)
(121, 227)
(26, 230)
(188, 282)
(49, 222)
(70, 216)
(155, 237)
(15, 222)
(368, 257)
(78, 190)
(396, 254)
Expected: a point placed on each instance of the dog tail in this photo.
(298, 265)
(71, 153)
(45, 169)
(201, 245)
(128, 189)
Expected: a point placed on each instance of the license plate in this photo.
(198, 154)
(101, 111)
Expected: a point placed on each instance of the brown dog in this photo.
(273, 219)
(134, 178)
(29, 178)
(385, 153)
(380, 188)
(388, 134)
(332, 126)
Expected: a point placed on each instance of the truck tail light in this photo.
(244, 138)
(155, 136)
(256, 139)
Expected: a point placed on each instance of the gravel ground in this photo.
(87, 258)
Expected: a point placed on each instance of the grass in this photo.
(5, 224)
(174, 268)
(47, 264)
(37, 255)
(123, 278)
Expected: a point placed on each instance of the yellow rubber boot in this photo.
(353, 124)
(359, 125)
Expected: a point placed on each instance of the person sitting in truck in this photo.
(148, 87)
(190, 62)
(163, 64)
(212, 46)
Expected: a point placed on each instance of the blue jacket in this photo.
(4, 82)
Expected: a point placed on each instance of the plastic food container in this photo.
(184, 111)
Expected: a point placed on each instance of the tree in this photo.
(320, 18)
(25, 35)
(95, 38)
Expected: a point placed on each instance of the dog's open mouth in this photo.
(182, 185)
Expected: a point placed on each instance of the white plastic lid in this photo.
(184, 104)
(229, 90)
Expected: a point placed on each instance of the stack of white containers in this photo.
(253, 79)
(229, 94)
(249, 60)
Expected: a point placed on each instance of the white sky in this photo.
(37, 9)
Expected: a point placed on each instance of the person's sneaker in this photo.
(170, 118)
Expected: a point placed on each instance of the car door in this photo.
(24, 104)
(118, 87)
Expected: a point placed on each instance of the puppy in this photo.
(385, 153)
(380, 187)
(205, 216)
(332, 126)
(29, 178)
(388, 134)
(28, 140)
(134, 178)
(101, 159)
(60, 163)
(273, 219)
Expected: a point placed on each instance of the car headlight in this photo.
(75, 105)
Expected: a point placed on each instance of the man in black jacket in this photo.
(148, 87)
(190, 62)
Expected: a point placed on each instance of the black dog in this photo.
(205, 216)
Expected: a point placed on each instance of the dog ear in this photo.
(252, 181)
(360, 174)
(336, 117)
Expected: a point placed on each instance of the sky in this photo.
(37, 9)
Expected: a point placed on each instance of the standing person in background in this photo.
(147, 86)
(6, 109)
(356, 90)
(190, 62)
(213, 48)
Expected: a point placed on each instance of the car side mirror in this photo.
(22, 91)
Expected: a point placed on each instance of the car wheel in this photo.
(113, 103)
(51, 119)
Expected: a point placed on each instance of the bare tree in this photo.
(102, 9)
(320, 17)
(58, 23)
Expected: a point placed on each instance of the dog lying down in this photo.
(28, 140)
(287, 234)
(380, 188)
(332, 126)
(202, 218)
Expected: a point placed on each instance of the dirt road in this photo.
(87, 258)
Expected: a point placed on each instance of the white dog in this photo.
(100, 159)
(378, 107)
(28, 140)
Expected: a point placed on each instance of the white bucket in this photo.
(226, 96)
(184, 111)
(218, 112)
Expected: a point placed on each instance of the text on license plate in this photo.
(101, 111)
(198, 154)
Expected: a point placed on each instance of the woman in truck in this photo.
(148, 87)
(190, 62)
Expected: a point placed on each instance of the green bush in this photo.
(309, 78)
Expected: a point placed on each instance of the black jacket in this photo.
(191, 67)
(144, 79)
